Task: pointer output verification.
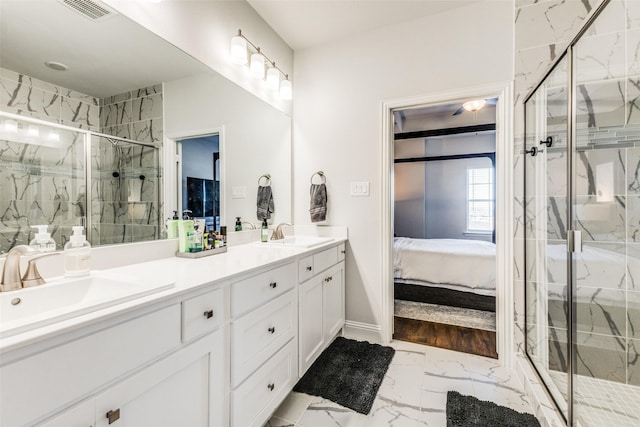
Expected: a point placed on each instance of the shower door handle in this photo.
(575, 241)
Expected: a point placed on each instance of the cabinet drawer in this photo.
(202, 314)
(258, 335)
(253, 402)
(255, 291)
(341, 252)
(305, 269)
(40, 384)
(325, 259)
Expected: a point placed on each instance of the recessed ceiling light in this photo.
(58, 66)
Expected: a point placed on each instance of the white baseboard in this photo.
(362, 331)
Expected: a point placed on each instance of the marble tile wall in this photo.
(25, 95)
(45, 185)
(607, 190)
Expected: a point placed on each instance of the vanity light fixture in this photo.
(474, 105)
(256, 68)
(286, 90)
(240, 46)
(273, 78)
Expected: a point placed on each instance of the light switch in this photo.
(238, 192)
(360, 189)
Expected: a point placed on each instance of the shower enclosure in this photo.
(582, 210)
(64, 176)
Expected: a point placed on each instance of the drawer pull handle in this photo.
(343, 251)
(208, 314)
(309, 268)
(272, 329)
(273, 285)
(113, 416)
(271, 386)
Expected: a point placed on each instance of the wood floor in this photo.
(452, 337)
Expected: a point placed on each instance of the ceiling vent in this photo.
(92, 9)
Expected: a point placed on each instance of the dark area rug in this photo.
(349, 373)
(467, 411)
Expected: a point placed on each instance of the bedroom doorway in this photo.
(444, 225)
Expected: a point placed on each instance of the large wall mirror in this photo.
(123, 104)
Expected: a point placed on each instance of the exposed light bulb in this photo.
(257, 66)
(11, 126)
(53, 136)
(474, 105)
(33, 131)
(273, 79)
(286, 89)
(238, 50)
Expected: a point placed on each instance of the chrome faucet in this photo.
(12, 279)
(278, 234)
(252, 226)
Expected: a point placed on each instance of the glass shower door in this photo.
(546, 192)
(606, 210)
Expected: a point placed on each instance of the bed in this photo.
(454, 272)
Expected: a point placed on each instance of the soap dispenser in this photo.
(264, 233)
(238, 224)
(43, 241)
(77, 254)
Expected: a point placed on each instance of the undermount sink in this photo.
(65, 298)
(301, 241)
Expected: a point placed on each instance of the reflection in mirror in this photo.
(114, 84)
(200, 179)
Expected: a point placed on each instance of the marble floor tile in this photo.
(413, 392)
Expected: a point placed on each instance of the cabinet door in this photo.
(81, 415)
(311, 324)
(333, 302)
(176, 391)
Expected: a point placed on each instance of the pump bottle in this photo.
(264, 232)
(77, 254)
(43, 241)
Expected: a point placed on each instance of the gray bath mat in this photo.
(467, 411)
(349, 373)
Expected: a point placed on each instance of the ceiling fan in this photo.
(475, 105)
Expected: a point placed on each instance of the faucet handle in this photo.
(32, 276)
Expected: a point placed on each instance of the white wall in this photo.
(203, 29)
(339, 89)
(256, 139)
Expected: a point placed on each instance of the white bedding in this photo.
(466, 265)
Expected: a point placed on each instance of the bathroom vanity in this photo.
(223, 346)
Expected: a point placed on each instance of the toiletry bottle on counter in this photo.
(172, 226)
(186, 235)
(77, 254)
(238, 224)
(43, 241)
(264, 233)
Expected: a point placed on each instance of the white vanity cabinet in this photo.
(321, 303)
(264, 352)
(134, 371)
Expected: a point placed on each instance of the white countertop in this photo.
(186, 274)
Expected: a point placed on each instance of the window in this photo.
(480, 199)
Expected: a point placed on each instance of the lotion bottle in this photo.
(43, 241)
(264, 232)
(77, 254)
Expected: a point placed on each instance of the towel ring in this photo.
(267, 177)
(321, 175)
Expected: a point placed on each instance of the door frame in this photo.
(504, 205)
(172, 165)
